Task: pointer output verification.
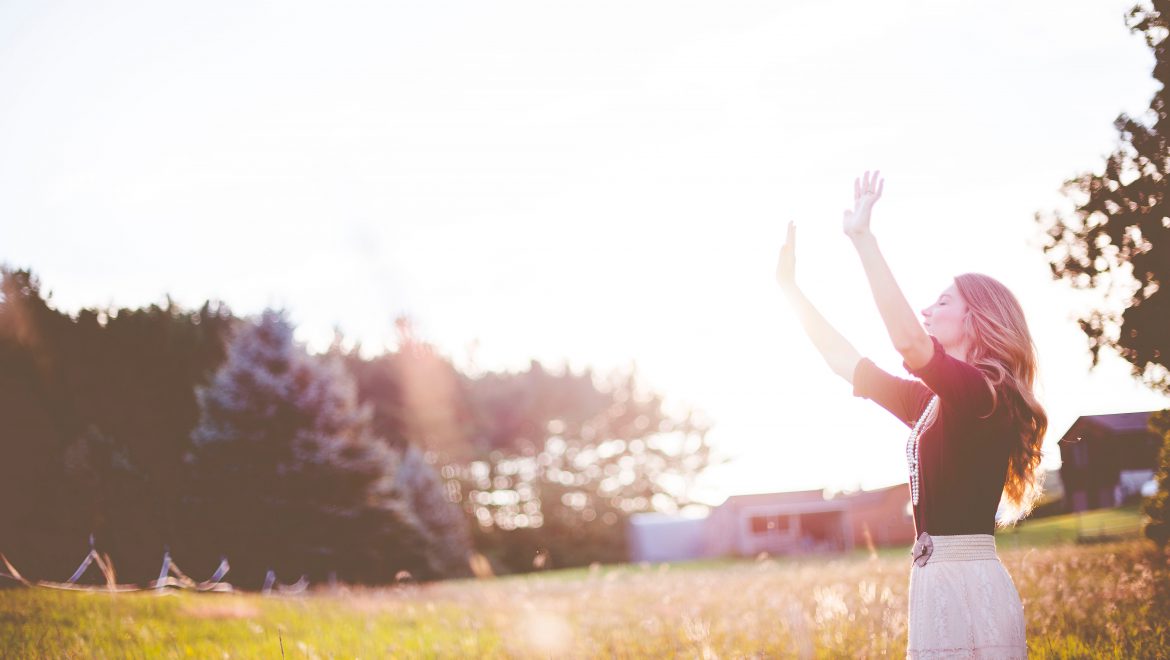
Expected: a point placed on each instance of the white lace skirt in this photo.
(963, 603)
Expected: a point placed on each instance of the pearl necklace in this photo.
(912, 453)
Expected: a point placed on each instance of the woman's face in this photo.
(944, 320)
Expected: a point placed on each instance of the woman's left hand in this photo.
(866, 192)
(786, 265)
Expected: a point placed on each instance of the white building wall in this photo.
(657, 538)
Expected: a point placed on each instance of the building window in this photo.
(762, 525)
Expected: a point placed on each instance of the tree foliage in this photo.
(1117, 240)
(96, 415)
(274, 465)
(1157, 508)
(564, 460)
(211, 435)
(438, 517)
(547, 466)
(291, 475)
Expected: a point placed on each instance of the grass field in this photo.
(1107, 524)
(1101, 600)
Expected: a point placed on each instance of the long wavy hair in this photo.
(1001, 346)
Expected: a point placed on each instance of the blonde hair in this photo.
(1001, 346)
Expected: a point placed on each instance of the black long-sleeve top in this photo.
(963, 455)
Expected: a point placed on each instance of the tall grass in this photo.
(1099, 601)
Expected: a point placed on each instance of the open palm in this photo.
(866, 192)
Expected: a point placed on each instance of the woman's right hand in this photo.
(786, 267)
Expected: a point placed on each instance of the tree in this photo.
(139, 369)
(1157, 508)
(287, 473)
(416, 396)
(98, 410)
(543, 464)
(565, 460)
(37, 519)
(1118, 237)
(439, 517)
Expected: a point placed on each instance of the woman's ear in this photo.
(968, 325)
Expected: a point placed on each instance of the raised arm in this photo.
(909, 337)
(835, 349)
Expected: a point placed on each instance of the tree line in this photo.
(213, 435)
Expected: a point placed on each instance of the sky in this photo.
(600, 184)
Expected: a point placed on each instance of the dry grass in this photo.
(1080, 601)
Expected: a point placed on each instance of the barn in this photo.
(1105, 459)
(786, 523)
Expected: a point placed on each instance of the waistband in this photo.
(958, 547)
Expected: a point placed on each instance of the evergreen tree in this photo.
(441, 520)
(97, 411)
(287, 471)
(58, 466)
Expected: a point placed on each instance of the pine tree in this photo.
(287, 470)
(440, 518)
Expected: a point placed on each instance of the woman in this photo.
(976, 431)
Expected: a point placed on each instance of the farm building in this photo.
(1105, 459)
(777, 523)
(664, 537)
